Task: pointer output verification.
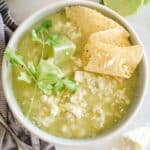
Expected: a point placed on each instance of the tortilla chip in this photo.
(89, 20)
(114, 37)
(111, 36)
(112, 60)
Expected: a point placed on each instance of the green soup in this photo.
(98, 103)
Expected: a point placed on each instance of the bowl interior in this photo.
(13, 44)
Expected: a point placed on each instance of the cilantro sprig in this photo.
(14, 58)
(101, 1)
(46, 76)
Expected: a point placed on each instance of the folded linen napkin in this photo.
(31, 142)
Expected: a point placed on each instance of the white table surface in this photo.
(21, 9)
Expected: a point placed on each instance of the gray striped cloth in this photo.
(31, 142)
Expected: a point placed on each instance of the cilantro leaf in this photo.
(70, 85)
(32, 67)
(45, 69)
(63, 48)
(45, 86)
(71, 79)
(44, 27)
(101, 2)
(48, 76)
(51, 78)
(14, 58)
(36, 37)
(58, 87)
(25, 77)
(54, 40)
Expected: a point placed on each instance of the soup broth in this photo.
(99, 102)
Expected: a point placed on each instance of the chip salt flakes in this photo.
(89, 20)
(111, 36)
(112, 60)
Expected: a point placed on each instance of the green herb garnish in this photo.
(58, 87)
(14, 58)
(25, 77)
(37, 34)
(47, 76)
(101, 1)
(70, 85)
(32, 67)
(45, 86)
(44, 27)
(45, 68)
(36, 37)
(42, 74)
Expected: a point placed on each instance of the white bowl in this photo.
(12, 102)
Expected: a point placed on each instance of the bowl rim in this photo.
(12, 102)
